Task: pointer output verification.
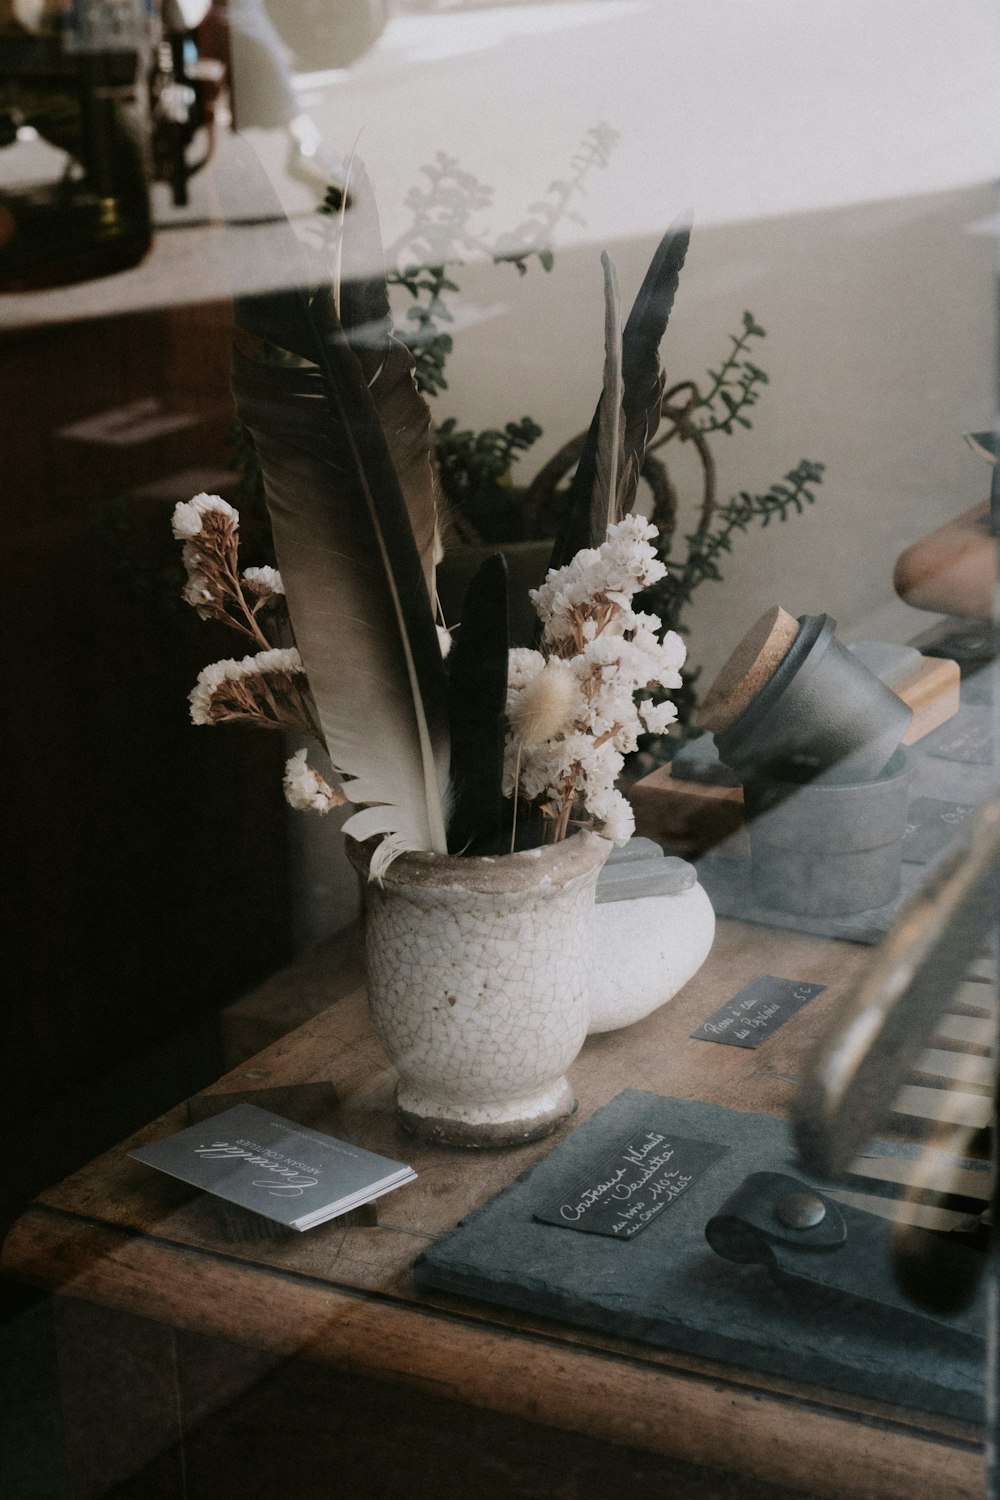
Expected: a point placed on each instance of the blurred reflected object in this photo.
(879, 1031)
(328, 33)
(267, 41)
(888, 1031)
(954, 569)
(184, 89)
(74, 201)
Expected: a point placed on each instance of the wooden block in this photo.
(932, 693)
(688, 815)
(753, 663)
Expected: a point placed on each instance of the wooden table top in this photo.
(134, 1240)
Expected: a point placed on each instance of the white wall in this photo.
(880, 352)
(839, 159)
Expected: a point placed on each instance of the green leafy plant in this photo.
(694, 417)
(706, 545)
(475, 469)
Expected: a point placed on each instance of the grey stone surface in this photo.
(667, 1287)
(633, 879)
(637, 848)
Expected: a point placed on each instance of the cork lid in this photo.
(754, 662)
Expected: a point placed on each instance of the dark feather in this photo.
(477, 693)
(354, 579)
(388, 366)
(609, 460)
(643, 389)
(642, 373)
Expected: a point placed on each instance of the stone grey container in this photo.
(828, 848)
(822, 711)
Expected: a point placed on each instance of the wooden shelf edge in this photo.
(772, 1438)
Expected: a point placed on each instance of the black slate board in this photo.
(666, 1287)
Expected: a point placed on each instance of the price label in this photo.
(759, 1009)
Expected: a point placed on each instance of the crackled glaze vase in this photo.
(479, 985)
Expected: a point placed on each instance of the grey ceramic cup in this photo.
(828, 848)
(823, 711)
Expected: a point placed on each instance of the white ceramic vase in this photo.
(479, 985)
(645, 951)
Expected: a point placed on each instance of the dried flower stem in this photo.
(517, 785)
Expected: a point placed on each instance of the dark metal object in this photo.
(822, 710)
(841, 1250)
(183, 93)
(801, 1210)
(828, 848)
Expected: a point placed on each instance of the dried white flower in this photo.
(188, 519)
(210, 678)
(613, 815)
(573, 713)
(278, 659)
(577, 602)
(657, 716)
(280, 667)
(444, 639)
(263, 582)
(198, 592)
(522, 665)
(306, 790)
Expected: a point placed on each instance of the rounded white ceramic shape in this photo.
(645, 950)
(479, 977)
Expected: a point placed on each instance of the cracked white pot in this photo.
(479, 985)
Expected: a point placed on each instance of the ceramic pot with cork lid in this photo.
(816, 738)
(793, 702)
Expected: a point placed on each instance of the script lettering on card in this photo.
(759, 1009)
(931, 824)
(627, 1189)
(968, 737)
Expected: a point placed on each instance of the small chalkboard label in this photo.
(630, 1186)
(930, 826)
(759, 1009)
(967, 737)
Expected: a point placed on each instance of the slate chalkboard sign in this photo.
(759, 1009)
(931, 824)
(967, 737)
(626, 1190)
